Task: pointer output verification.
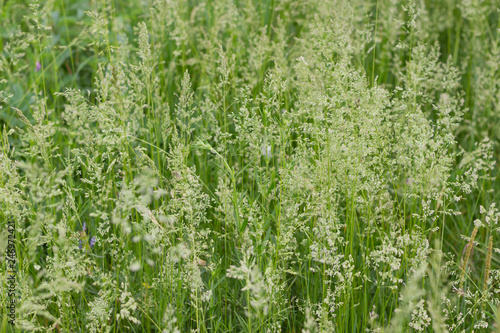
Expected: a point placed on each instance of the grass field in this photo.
(249, 166)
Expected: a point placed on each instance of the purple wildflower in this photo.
(84, 226)
(92, 241)
(38, 66)
(81, 245)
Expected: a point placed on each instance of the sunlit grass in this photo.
(251, 166)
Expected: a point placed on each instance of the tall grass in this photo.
(251, 166)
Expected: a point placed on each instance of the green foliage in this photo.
(251, 166)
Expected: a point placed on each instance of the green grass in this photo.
(250, 166)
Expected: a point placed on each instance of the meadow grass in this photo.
(250, 166)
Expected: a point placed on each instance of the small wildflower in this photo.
(38, 66)
(92, 241)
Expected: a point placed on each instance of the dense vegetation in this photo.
(251, 166)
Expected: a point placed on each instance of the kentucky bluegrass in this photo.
(251, 166)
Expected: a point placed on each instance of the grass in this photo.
(250, 166)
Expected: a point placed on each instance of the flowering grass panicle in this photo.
(250, 166)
